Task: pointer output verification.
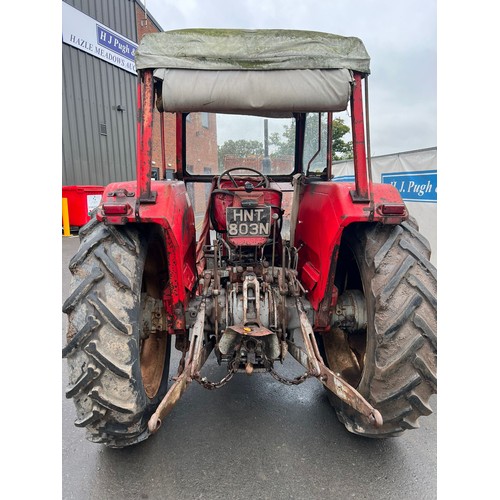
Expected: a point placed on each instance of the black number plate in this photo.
(248, 222)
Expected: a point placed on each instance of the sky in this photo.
(400, 37)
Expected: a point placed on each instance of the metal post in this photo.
(266, 161)
(65, 217)
(368, 146)
(179, 140)
(329, 145)
(145, 98)
(358, 141)
(163, 159)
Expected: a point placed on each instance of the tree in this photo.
(284, 144)
(341, 150)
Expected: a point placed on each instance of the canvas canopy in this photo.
(263, 72)
(255, 50)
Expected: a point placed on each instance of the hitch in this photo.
(196, 358)
(312, 360)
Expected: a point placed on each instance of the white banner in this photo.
(414, 173)
(85, 33)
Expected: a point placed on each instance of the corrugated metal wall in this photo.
(98, 141)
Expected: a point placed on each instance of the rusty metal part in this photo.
(207, 384)
(194, 363)
(341, 358)
(153, 354)
(197, 356)
(153, 314)
(349, 395)
(251, 301)
(350, 312)
(312, 360)
(173, 395)
(284, 380)
(250, 330)
(313, 356)
(216, 288)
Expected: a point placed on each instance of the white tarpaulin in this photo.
(277, 93)
(414, 173)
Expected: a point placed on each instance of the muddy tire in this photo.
(394, 361)
(116, 378)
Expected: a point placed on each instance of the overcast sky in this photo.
(400, 38)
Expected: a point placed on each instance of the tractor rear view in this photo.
(285, 262)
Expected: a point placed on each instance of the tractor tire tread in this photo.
(102, 352)
(400, 369)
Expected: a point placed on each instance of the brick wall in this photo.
(279, 165)
(201, 155)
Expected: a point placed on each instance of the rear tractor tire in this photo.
(393, 362)
(117, 364)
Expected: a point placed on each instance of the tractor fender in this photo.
(325, 210)
(172, 211)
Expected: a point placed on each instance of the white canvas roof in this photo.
(262, 72)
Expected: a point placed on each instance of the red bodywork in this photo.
(233, 197)
(172, 211)
(326, 209)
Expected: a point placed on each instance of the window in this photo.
(204, 120)
(263, 144)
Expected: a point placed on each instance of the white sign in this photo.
(85, 33)
(93, 201)
(414, 174)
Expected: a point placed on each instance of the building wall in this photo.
(98, 140)
(201, 157)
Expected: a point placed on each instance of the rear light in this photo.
(392, 209)
(116, 208)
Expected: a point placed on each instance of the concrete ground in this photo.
(252, 439)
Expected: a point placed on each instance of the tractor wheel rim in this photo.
(153, 353)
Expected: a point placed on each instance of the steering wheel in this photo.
(264, 181)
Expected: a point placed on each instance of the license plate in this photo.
(255, 221)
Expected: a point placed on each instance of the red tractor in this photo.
(340, 280)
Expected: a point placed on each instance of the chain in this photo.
(287, 381)
(207, 384)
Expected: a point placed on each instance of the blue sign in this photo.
(86, 34)
(414, 186)
(115, 43)
(343, 178)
